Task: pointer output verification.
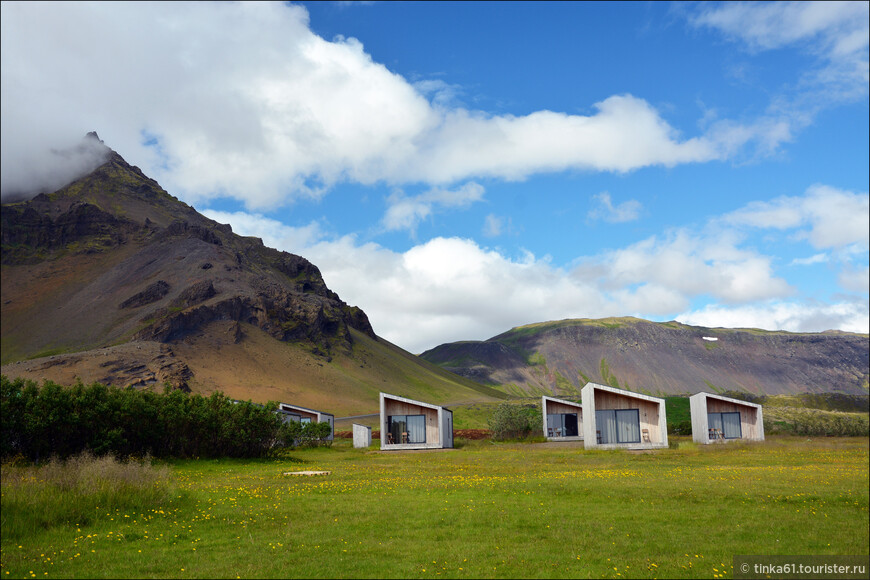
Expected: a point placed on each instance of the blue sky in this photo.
(457, 169)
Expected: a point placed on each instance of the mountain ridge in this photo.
(112, 279)
(559, 357)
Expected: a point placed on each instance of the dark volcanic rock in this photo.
(115, 227)
(152, 293)
(194, 294)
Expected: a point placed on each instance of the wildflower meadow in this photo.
(483, 510)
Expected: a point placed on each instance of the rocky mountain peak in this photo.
(113, 257)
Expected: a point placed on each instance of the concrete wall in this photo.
(362, 436)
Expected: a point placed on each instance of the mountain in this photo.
(112, 279)
(558, 358)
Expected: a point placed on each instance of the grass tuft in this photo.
(75, 491)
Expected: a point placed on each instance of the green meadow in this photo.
(509, 510)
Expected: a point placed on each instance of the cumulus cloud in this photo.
(850, 316)
(826, 216)
(272, 111)
(405, 213)
(447, 289)
(605, 210)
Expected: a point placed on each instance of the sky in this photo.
(457, 169)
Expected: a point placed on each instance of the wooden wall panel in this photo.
(392, 407)
(647, 410)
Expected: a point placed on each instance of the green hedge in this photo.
(51, 420)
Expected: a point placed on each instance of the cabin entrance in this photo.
(562, 425)
(407, 428)
(618, 425)
(728, 424)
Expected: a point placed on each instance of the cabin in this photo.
(718, 419)
(409, 424)
(620, 419)
(563, 420)
(303, 415)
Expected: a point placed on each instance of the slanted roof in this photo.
(412, 401)
(562, 401)
(288, 406)
(728, 399)
(625, 393)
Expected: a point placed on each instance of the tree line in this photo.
(39, 422)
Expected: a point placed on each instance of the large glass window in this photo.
(562, 425)
(407, 428)
(726, 425)
(618, 426)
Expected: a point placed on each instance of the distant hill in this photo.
(558, 358)
(112, 279)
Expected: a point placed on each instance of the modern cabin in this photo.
(620, 419)
(563, 420)
(717, 419)
(303, 415)
(409, 424)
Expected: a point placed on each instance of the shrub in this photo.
(40, 422)
(510, 421)
(298, 434)
(680, 428)
(815, 422)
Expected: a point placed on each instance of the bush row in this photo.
(51, 420)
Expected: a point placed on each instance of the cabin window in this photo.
(305, 420)
(562, 425)
(726, 424)
(407, 428)
(618, 425)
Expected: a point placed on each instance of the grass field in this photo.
(482, 510)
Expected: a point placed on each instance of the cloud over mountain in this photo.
(272, 111)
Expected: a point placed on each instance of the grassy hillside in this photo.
(261, 369)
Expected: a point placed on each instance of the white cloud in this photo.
(815, 259)
(789, 316)
(624, 212)
(693, 264)
(841, 27)
(826, 216)
(855, 280)
(271, 111)
(836, 33)
(448, 289)
(494, 226)
(405, 213)
(50, 169)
